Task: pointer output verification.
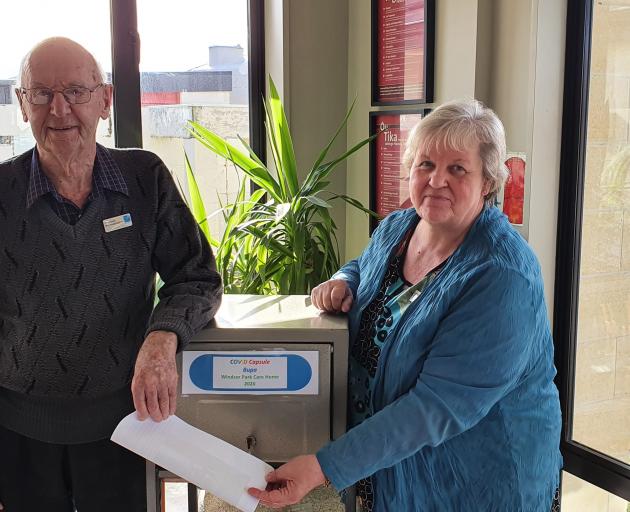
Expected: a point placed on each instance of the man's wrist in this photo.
(165, 338)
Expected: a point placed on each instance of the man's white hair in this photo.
(26, 59)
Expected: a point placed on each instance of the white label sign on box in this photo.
(250, 372)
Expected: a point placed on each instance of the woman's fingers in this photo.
(273, 499)
(337, 294)
(332, 296)
(347, 302)
(290, 482)
(316, 296)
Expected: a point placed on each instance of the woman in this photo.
(452, 405)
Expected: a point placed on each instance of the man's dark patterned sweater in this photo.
(76, 302)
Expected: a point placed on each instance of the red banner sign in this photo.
(400, 51)
(390, 179)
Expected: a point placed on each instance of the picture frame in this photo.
(403, 51)
(388, 178)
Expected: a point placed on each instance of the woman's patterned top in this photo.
(377, 321)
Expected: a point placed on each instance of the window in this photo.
(197, 61)
(592, 300)
(602, 367)
(199, 73)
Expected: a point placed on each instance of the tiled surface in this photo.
(595, 370)
(605, 123)
(604, 309)
(602, 230)
(603, 426)
(622, 368)
(580, 496)
(625, 247)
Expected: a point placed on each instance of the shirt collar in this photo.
(105, 175)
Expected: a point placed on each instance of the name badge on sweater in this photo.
(115, 223)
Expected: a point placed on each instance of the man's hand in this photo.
(332, 296)
(154, 384)
(290, 482)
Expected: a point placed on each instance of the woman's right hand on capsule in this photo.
(332, 296)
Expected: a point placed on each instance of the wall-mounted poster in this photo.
(389, 181)
(402, 51)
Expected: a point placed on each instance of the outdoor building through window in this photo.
(194, 67)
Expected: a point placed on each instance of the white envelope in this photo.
(196, 456)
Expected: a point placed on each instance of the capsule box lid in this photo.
(274, 312)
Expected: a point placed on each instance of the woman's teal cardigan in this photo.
(467, 416)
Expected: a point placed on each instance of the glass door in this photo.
(601, 408)
(592, 303)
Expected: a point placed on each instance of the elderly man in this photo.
(83, 231)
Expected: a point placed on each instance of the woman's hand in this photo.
(332, 296)
(290, 482)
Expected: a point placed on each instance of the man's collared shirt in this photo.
(105, 175)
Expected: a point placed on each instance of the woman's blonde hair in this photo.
(458, 125)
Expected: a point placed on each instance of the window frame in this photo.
(579, 460)
(127, 99)
(256, 53)
(126, 74)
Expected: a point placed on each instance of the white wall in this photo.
(549, 20)
(311, 77)
(277, 54)
(525, 89)
(357, 182)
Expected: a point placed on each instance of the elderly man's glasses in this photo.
(43, 95)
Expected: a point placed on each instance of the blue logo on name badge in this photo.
(126, 218)
(299, 372)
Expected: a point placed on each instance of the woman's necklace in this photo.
(418, 264)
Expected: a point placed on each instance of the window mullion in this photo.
(126, 73)
(256, 52)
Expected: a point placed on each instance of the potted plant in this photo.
(281, 239)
